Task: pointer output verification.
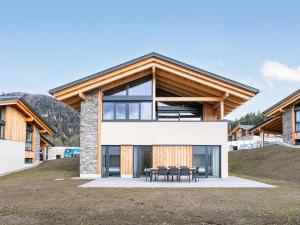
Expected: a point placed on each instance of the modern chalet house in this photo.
(22, 134)
(241, 138)
(284, 120)
(153, 111)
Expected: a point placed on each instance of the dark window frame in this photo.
(297, 109)
(2, 122)
(127, 111)
(28, 160)
(29, 128)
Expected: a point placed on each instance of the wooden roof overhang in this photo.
(45, 142)
(279, 107)
(171, 76)
(272, 125)
(31, 115)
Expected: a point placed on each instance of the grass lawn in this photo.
(34, 197)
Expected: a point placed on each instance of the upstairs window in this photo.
(297, 118)
(2, 122)
(29, 136)
(139, 87)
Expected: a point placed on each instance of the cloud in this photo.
(276, 70)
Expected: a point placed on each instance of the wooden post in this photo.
(153, 93)
(222, 110)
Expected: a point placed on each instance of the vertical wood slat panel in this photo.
(126, 160)
(15, 125)
(172, 156)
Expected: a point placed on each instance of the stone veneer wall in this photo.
(37, 139)
(89, 134)
(287, 126)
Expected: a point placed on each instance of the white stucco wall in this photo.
(12, 154)
(168, 133)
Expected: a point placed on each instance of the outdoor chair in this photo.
(147, 172)
(173, 171)
(162, 171)
(196, 174)
(185, 171)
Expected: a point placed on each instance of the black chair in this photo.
(147, 173)
(196, 174)
(173, 171)
(185, 171)
(162, 171)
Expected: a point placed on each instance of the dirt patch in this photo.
(34, 197)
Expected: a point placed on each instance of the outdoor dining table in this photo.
(153, 171)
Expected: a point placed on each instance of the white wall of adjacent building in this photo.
(12, 156)
(168, 133)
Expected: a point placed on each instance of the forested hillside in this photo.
(249, 119)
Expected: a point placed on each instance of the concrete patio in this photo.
(230, 182)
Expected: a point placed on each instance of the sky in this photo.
(44, 44)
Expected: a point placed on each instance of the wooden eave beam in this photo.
(29, 119)
(82, 96)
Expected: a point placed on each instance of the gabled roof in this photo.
(147, 56)
(28, 110)
(242, 126)
(283, 103)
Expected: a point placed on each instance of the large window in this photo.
(29, 136)
(131, 101)
(110, 161)
(207, 160)
(2, 122)
(140, 87)
(297, 118)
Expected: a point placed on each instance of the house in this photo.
(241, 138)
(153, 111)
(284, 120)
(22, 133)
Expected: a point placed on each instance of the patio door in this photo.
(142, 158)
(208, 160)
(110, 161)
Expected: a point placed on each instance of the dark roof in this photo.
(282, 101)
(47, 140)
(153, 54)
(246, 127)
(19, 98)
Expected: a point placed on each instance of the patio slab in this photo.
(230, 182)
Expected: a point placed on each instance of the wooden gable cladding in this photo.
(172, 156)
(15, 125)
(272, 126)
(171, 76)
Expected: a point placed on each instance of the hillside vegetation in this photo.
(274, 162)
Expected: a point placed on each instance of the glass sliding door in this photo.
(110, 161)
(208, 159)
(142, 158)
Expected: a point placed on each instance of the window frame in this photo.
(2, 122)
(29, 128)
(297, 109)
(127, 119)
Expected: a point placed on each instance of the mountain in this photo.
(59, 116)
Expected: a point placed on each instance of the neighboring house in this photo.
(153, 111)
(21, 130)
(284, 120)
(241, 138)
(45, 147)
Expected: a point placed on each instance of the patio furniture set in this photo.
(171, 172)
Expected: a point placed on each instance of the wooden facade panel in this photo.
(15, 125)
(126, 160)
(172, 156)
(209, 113)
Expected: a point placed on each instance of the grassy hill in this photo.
(275, 162)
